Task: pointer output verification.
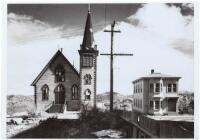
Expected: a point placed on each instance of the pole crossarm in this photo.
(112, 31)
(118, 54)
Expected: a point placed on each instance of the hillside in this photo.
(19, 103)
(120, 100)
(105, 97)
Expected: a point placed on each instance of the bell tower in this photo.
(88, 66)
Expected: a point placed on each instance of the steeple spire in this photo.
(88, 8)
(88, 38)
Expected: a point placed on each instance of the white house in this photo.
(155, 94)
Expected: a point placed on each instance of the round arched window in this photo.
(87, 94)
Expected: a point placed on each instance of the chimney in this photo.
(61, 50)
(152, 71)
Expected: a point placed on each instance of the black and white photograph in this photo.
(100, 70)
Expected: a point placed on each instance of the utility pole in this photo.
(112, 31)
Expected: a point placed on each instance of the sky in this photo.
(161, 37)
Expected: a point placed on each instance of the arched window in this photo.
(45, 92)
(59, 73)
(87, 79)
(74, 92)
(60, 88)
(87, 94)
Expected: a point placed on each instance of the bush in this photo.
(98, 120)
(24, 117)
(90, 121)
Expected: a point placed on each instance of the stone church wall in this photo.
(48, 78)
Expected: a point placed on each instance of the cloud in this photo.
(167, 22)
(22, 29)
(184, 46)
(134, 21)
(150, 52)
(185, 8)
(60, 20)
(69, 15)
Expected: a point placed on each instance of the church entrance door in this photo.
(59, 98)
(60, 94)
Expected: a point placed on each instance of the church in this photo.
(59, 87)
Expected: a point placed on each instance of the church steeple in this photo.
(88, 66)
(88, 38)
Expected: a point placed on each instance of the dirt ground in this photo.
(88, 126)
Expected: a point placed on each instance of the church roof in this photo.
(88, 38)
(58, 53)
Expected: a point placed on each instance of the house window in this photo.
(139, 103)
(45, 92)
(174, 88)
(169, 87)
(151, 104)
(157, 104)
(151, 88)
(140, 88)
(87, 79)
(157, 87)
(88, 61)
(74, 92)
(59, 73)
(134, 102)
(87, 94)
(135, 88)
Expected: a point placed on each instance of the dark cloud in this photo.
(62, 20)
(186, 8)
(74, 15)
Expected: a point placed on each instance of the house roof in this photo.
(157, 75)
(58, 53)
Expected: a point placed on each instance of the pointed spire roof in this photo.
(88, 38)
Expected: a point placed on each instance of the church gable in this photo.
(56, 74)
(60, 63)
